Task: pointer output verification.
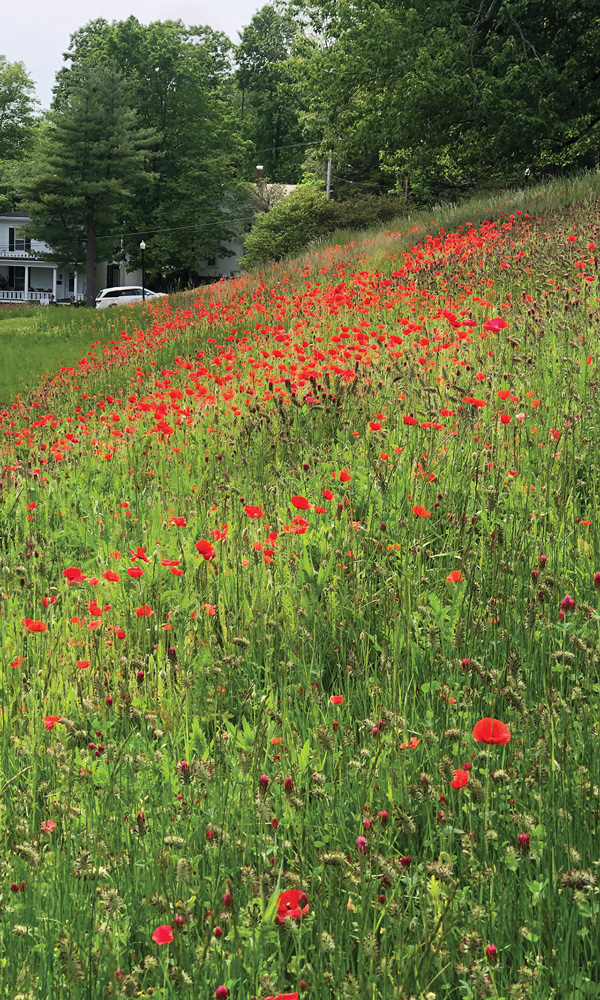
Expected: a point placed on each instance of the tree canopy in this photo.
(89, 160)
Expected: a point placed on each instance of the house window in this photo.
(211, 262)
(72, 281)
(16, 278)
(16, 242)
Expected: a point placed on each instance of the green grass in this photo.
(170, 756)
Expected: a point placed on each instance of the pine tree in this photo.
(89, 159)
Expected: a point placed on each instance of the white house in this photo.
(26, 278)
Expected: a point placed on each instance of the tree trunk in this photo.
(90, 263)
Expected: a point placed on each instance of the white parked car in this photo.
(124, 295)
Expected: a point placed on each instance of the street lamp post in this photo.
(142, 248)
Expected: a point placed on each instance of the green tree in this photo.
(181, 86)
(271, 50)
(17, 125)
(461, 91)
(89, 159)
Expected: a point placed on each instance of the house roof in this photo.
(15, 216)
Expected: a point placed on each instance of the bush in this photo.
(306, 215)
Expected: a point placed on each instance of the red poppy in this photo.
(139, 553)
(253, 511)
(414, 742)
(163, 934)
(455, 576)
(419, 511)
(82, 664)
(336, 699)
(345, 476)
(170, 562)
(503, 393)
(33, 626)
(111, 576)
(74, 575)
(285, 996)
(135, 572)
(491, 731)
(179, 522)
(291, 904)
(205, 549)
(301, 503)
(51, 720)
(474, 402)
(495, 325)
(327, 494)
(144, 612)
(504, 418)
(461, 778)
(374, 425)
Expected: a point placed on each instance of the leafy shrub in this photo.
(306, 215)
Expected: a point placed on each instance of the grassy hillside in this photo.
(300, 652)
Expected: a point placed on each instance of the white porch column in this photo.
(54, 272)
(75, 285)
(26, 281)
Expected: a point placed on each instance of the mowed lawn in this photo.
(299, 630)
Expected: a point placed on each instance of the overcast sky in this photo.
(37, 33)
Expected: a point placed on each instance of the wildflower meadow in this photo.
(300, 649)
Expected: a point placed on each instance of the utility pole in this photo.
(328, 188)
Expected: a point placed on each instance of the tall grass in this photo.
(267, 559)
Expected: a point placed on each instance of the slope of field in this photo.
(300, 653)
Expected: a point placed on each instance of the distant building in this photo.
(26, 278)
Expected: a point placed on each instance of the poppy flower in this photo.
(301, 503)
(205, 549)
(111, 576)
(285, 996)
(345, 476)
(82, 664)
(291, 904)
(50, 721)
(419, 511)
(461, 778)
(327, 494)
(144, 612)
(34, 626)
(495, 325)
(253, 511)
(135, 572)
(455, 576)
(74, 575)
(503, 393)
(336, 699)
(414, 742)
(179, 522)
(163, 934)
(48, 825)
(139, 553)
(491, 731)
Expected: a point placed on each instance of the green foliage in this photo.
(17, 126)
(179, 84)
(88, 160)
(450, 94)
(305, 215)
(288, 227)
(268, 57)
